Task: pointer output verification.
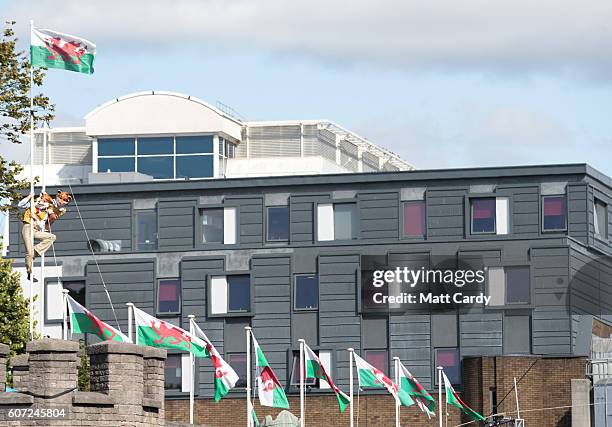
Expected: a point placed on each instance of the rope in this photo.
(95, 258)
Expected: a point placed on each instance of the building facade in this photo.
(286, 254)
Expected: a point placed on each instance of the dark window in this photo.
(212, 225)
(239, 292)
(600, 211)
(116, 164)
(278, 224)
(448, 358)
(517, 334)
(76, 290)
(169, 296)
(173, 372)
(146, 230)
(157, 145)
(518, 285)
(414, 219)
(194, 166)
(116, 146)
(483, 215)
(158, 167)
(306, 292)
(345, 221)
(379, 359)
(554, 213)
(295, 372)
(194, 144)
(238, 362)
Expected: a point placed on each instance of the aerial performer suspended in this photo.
(47, 210)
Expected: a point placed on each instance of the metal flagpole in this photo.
(130, 307)
(439, 368)
(397, 404)
(65, 312)
(41, 303)
(351, 351)
(32, 187)
(301, 341)
(191, 370)
(247, 330)
(518, 411)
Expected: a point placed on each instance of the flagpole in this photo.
(518, 410)
(130, 307)
(439, 368)
(65, 313)
(32, 186)
(247, 330)
(302, 415)
(191, 371)
(396, 361)
(351, 351)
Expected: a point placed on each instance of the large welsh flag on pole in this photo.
(225, 377)
(411, 385)
(452, 398)
(82, 321)
(370, 376)
(315, 369)
(50, 49)
(269, 388)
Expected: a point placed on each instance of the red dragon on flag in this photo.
(69, 51)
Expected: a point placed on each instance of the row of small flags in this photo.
(154, 332)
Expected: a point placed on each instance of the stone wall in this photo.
(45, 379)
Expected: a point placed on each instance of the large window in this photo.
(509, 285)
(554, 213)
(379, 359)
(306, 292)
(219, 225)
(414, 219)
(337, 221)
(169, 296)
(295, 372)
(166, 157)
(489, 215)
(600, 220)
(448, 358)
(278, 224)
(173, 372)
(146, 230)
(230, 294)
(238, 362)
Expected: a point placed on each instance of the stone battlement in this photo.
(127, 385)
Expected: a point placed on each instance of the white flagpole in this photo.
(42, 257)
(302, 415)
(44, 158)
(32, 187)
(351, 351)
(247, 330)
(65, 312)
(439, 368)
(396, 361)
(130, 307)
(518, 410)
(191, 370)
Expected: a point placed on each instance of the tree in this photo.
(15, 108)
(14, 310)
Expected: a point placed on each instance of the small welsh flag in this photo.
(452, 398)
(50, 49)
(271, 392)
(82, 321)
(370, 376)
(315, 369)
(411, 385)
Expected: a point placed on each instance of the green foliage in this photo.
(83, 369)
(15, 108)
(14, 311)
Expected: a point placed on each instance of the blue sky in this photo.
(444, 84)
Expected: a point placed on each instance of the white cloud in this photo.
(502, 36)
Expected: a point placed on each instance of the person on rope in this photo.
(46, 210)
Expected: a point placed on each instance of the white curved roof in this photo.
(158, 112)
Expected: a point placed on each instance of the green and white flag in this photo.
(82, 321)
(270, 390)
(315, 369)
(157, 333)
(369, 376)
(452, 398)
(50, 49)
(253, 421)
(411, 385)
(225, 377)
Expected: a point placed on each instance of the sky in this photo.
(443, 84)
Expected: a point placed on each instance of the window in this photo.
(116, 155)
(219, 225)
(146, 230)
(159, 167)
(600, 220)
(238, 362)
(194, 166)
(379, 359)
(173, 372)
(118, 164)
(448, 358)
(337, 221)
(278, 224)
(169, 296)
(554, 213)
(414, 218)
(306, 292)
(230, 294)
(509, 285)
(375, 342)
(76, 289)
(295, 372)
(483, 215)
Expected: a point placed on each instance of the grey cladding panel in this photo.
(577, 211)
(250, 216)
(411, 342)
(445, 213)
(176, 224)
(379, 215)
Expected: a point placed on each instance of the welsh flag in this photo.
(225, 377)
(271, 392)
(157, 333)
(253, 421)
(410, 385)
(82, 321)
(452, 398)
(50, 49)
(315, 369)
(369, 376)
